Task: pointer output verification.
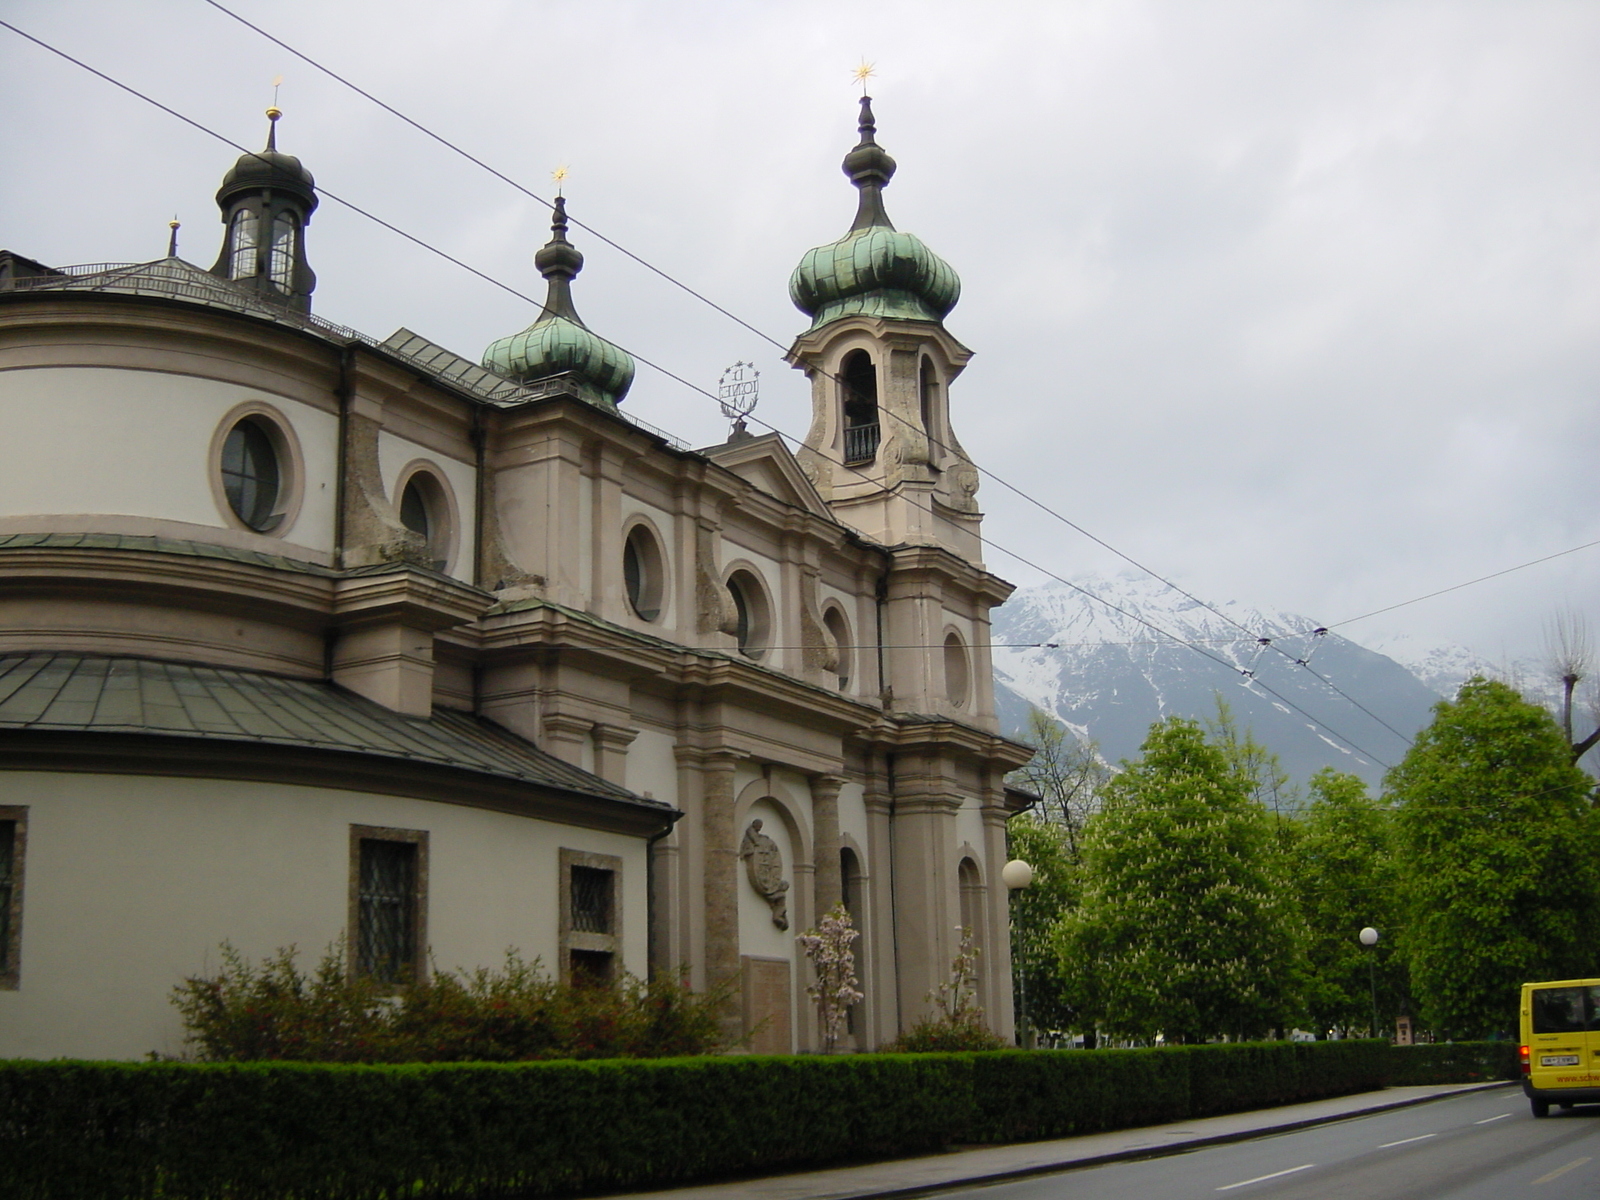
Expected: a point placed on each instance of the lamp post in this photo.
(1369, 938)
(1017, 875)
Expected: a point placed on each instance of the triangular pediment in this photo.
(765, 463)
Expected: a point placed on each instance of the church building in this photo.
(307, 636)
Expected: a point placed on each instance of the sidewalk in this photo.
(993, 1164)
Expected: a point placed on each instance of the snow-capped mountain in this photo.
(1443, 668)
(1108, 670)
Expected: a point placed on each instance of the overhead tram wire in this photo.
(786, 437)
(763, 335)
(1458, 586)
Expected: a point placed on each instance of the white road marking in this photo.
(1290, 1171)
(1421, 1137)
(1559, 1171)
(1486, 1120)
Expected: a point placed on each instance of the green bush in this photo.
(301, 1131)
(963, 1035)
(276, 1012)
(442, 1131)
(1453, 1062)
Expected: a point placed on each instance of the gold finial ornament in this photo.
(864, 72)
(559, 177)
(274, 113)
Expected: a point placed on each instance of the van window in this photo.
(1566, 1010)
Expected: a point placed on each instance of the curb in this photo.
(1147, 1152)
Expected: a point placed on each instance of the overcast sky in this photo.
(1296, 303)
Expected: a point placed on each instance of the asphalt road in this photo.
(1478, 1146)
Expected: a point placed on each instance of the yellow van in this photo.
(1561, 1043)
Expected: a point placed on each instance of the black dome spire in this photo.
(267, 199)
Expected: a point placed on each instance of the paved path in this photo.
(992, 1164)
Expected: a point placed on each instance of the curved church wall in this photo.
(132, 882)
(86, 442)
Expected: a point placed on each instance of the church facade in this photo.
(306, 636)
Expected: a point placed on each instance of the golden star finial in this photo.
(863, 73)
(559, 176)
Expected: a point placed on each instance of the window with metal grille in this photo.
(386, 936)
(591, 900)
(8, 855)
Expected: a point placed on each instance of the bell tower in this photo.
(881, 449)
(267, 200)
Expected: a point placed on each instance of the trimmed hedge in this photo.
(314, 1131)
(1454, 1062)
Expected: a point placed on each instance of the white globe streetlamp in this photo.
(1369, 938)
(1017, 875)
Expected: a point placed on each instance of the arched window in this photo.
(752, 624)
(859, 381)
(971, 884)
(244, 243)
(957, 673)
(280, 259)
(252, 474)
(930, 398)
(855, 903)
(643, 572)
(839, 629)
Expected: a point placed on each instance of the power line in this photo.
(676, 282)
(1004, 483)
(696, 388)
(1458, 586)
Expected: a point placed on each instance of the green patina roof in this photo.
(87, 693)
(559, 343)
(876, 272)
(555, 345)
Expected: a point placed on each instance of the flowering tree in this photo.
(834, 964)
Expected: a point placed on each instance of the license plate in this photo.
(1558, 1060)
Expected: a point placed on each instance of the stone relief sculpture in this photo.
(763, 861)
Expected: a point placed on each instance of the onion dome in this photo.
(559, 343)
(874, 270)
(269, 168)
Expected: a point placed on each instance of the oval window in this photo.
(252, 478)
(642, 573)
(834, 621)
(751, 623)
(425, 510)
(957, 678)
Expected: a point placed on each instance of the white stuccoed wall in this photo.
(137, 443)
(132, 882)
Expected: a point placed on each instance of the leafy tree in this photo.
(1268, 782)
(1184, 928)
(1036, 910)
(1342, 867)
(1499, 858)
(1065, 771)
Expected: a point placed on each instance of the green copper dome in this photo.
(559, 343)
(874, 270)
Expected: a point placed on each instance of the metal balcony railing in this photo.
(860, 443)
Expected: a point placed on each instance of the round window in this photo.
(252, 477)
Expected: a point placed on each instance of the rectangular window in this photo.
(388, 909)
(591, 899)
(13, 841)
(591, 917)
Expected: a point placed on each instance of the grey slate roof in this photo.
(80, 693)
(176, 279)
